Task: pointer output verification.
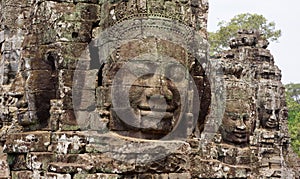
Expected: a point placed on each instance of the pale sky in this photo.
(285, 14)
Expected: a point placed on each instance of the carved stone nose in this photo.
(157, 102)
(158, 94)
(160, 88)
(273, 116)
(22, 104)
(241, 125)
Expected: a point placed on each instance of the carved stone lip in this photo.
(271, 123)
(156, 114)
(169, 108)
(240, 134)
(21, 111)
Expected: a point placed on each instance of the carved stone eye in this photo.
(232, 116)
(269, 111)
(142, 68)
(176, 73)
(245, 117)
(22, 104)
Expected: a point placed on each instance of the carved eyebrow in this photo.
(233, 115)
(176, 72)
(230, 113)
(245, 115)
(144, 68)
(269, 111)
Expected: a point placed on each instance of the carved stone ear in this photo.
(253, 126)
(51, 59)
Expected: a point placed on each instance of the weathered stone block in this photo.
(113, 163)
(4, 168)
(17, 162)
(37, 63)
(41, 100)
(84, 119)
(179, 176)
(66, 77)
(111, 142)
(88, 12)
(217, 169)
(69, 127)
(70, 63)
(152, 176)
(67, 100)
(69, 168)
(85, 80)
(96, 176)
(22, 174)
(98, 123)
(39, 160)
(172, 163)
(41, 80)
(67, 142)
(73, 31)
(72, 50)
(50, 175)
(84, 100)
(37, 141)
(103, 97)
(67, 118)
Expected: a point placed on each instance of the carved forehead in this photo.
(239, 90)
(238, 106)
(157, 47)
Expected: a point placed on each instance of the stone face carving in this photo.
(269, 111)
(270, 117)
(237, 122)
(124, 89)
(268, 137)
(153, 97)
(158, 88)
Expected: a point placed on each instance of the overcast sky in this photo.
(285, 14)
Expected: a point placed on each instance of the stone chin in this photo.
(234, 137)
(270, 124)
(238, 137)
(156, 120)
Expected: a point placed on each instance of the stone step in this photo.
(37, 141)
(60, 167)
(4, 168)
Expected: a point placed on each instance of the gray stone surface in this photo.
(125, 89)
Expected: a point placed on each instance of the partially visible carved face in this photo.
(269, 73)
(269, 107)
(155, 97)
(153, 85)
(270, 118)
(156, 89)
(237, 122)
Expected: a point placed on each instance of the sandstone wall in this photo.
(64, 69)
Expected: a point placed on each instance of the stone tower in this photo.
(125, 89)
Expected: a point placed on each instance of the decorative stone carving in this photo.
(238, 121)
(158, 86)
(125, 89)
(269, 138)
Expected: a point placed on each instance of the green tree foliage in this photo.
(293, 91)
(292, 95)
(219, 40)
